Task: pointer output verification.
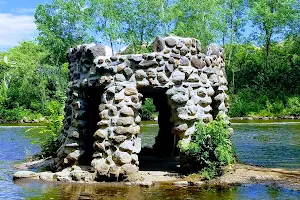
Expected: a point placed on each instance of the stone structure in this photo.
(105, 94)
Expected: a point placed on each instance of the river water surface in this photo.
(272, 144)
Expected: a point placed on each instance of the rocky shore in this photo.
(236, 174)
(25, 120)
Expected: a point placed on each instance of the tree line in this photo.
(261, 40)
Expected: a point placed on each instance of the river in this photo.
(268, 144)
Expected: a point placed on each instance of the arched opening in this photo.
(163, 155)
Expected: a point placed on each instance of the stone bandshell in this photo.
(194, 84)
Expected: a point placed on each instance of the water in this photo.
(274, 144)
(265, 144)
(15, 147)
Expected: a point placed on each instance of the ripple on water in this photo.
(271, 144)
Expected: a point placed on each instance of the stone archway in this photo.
(194, 88)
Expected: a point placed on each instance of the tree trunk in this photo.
(268, 45)
(111, 45)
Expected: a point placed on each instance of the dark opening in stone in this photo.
(93, 99)
(162, 156)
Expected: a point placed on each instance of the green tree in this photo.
(271, 17)
(141, 21)
(198, 19)
(30, 82)
(231, 25)
(106, 19)
(62, 25)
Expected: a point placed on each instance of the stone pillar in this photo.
(75, 130)
(117, 142)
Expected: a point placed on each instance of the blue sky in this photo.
(17, 21)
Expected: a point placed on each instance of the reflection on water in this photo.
(117, 192)
(149, 131)
(270, 145)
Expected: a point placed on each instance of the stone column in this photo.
(117, 142)
(75, 130)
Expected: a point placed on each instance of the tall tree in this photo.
(232, 20)
(271, 17)
(62, 25)
(141, 20)
(194, 18)
(106, 19)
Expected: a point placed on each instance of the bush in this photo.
(53, 107)
(15, 114)
(48, 137)
(293, 106)
(148, 110)
(210, 147)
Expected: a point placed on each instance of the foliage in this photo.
(62, 25)
(293, 106)
(271, 17)
(257, 89)
(148, 109)
(30, 87)
(210, 147)
(195, 18)
(48, 137)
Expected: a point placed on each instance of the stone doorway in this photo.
(162, 155)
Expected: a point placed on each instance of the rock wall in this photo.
(194, 83)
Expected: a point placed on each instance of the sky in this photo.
(17, 21)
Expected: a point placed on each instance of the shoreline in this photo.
(248, 118)
(234, 175)
(261, 118)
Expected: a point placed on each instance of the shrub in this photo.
(48, 137)
(14, 114)
(293, 106)
(276, 108)
(148, 109)
(53, 107)
(210, 147)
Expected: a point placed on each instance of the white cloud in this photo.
(16, 28)
(23, 10)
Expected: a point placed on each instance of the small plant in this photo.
(48, 137)
(293, 106)
(210, 148)
(148, 109)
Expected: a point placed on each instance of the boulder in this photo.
(178, 77)
(198, 63)
(24, 174)
(122, 157)
(46, 176)
(100, 166)
(170, 42)
(130, 91)
(129, 172)
(126, 111)
(180, 98)
(125, 121)
(120, 130)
